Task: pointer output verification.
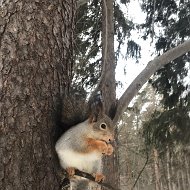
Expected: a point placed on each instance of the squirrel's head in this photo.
(102, 128)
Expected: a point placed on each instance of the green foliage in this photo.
(172, 124)
(168, 127)
(124, 1)
(123, 28)
(170, 84)
(88, 45)
(133, 49)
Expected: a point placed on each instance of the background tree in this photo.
(146, 164)
(166, 132)
(168, 128)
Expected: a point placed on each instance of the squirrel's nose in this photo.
(111, 138)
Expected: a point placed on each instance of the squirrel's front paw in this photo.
(103, 147)
(109, 149)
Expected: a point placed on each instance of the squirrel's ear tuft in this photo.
(95, 105)
(93, 118)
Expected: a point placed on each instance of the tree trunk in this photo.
(173, 171)
(35, 65)
(186, 158)
(108, 86)
(156, 169)
(168, 163)
(108, 58)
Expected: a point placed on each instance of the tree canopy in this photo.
(167, 23)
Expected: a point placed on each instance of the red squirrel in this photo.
(83, 145)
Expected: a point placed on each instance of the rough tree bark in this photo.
(35, 62)
(156, 169)
(108, 83)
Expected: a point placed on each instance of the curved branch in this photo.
(149, 70)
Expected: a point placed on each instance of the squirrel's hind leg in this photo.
(70, 171)
(99, 177)
(97, 173)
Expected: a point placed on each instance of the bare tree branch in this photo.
(107, 84)
(149, 70)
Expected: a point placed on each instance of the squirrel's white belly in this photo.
(84, 162)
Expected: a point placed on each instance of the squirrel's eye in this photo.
(103, 126)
